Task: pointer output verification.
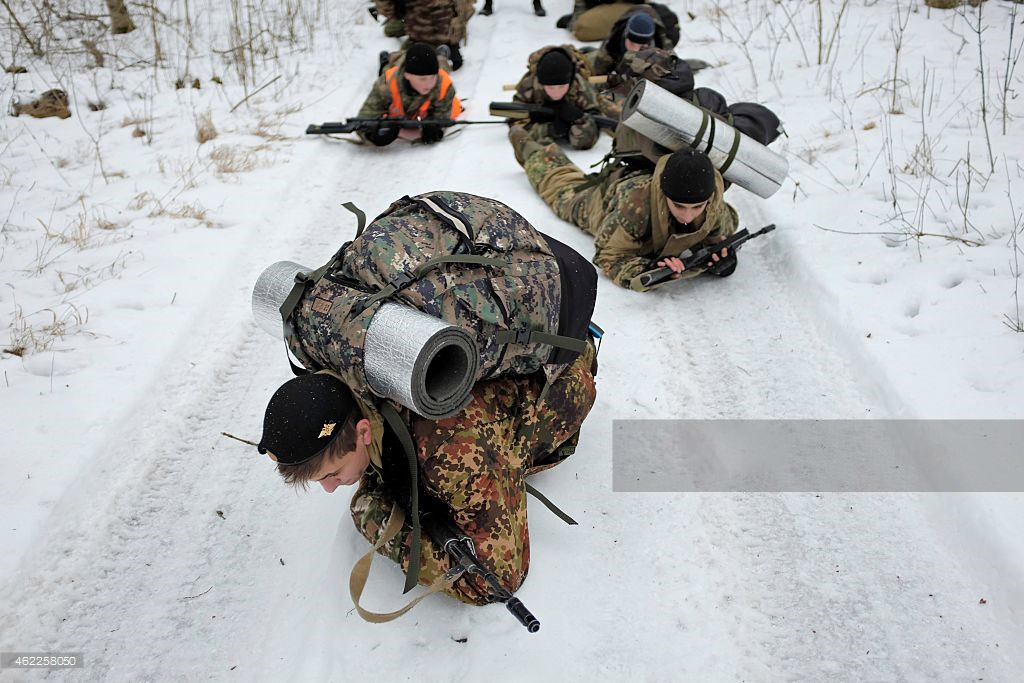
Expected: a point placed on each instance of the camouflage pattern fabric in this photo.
(604, 59)
(437, 22)
(583, 133)
(476, 464)
(625, 212)
(652, 64)
(377, 102)
(50, 103)
(524, 293)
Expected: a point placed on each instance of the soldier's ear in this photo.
(364, 432)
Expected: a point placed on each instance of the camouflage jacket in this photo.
(583, 132)
(379, 100)
(634, 226)
(475, 465)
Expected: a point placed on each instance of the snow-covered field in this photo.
(136, 534)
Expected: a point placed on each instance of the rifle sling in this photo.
(402, 432)
(361, 572)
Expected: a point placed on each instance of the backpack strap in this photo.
(539, 337)
(549, 505)
(394, 421)
(361, 572)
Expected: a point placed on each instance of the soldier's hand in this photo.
(410, 134)
(381, 135)
(542, 116)
(432, 133)
(567, 111)
(715, 258)
(674, 264)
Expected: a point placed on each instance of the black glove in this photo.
(432, 133)
(567, 111)
(542, 116)
(724, 267)
(382, 135)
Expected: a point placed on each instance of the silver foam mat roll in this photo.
(421, 362)
(674, 123)
(268, 294)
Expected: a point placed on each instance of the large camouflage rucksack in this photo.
(471, 261)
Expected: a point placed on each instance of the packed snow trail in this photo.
(180, 555)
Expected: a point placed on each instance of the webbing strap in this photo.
(361, 572)
(394, 421)
(703, 127)
(360, 217)
(447, 215)
(538, 337)
(732, 152)
(460, 258)
(549, 505)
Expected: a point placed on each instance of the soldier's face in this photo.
(686, 213)
(556, 92)
(345, 469)
(422, 84)
(633, 47)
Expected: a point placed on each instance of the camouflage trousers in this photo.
(476, 464)
(565, 188)
(437, 21)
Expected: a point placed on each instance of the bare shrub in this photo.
(205, 130)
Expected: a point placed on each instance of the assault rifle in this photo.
(700, 258)
(460, 549)
(367, 124)
(522, 110)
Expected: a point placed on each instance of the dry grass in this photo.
(29, 337)
(229, 159)
(205, 130)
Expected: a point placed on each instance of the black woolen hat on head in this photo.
(303, 417)
(688, 177)
(555, 68)
(640, 28)
(421, 60)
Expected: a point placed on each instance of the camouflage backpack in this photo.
(471, 261)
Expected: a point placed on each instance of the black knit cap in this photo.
(688, 177)
(640, 28)
(421, 60)
(303, 417)
(555, 68)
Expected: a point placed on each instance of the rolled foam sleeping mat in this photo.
(674, 123)
(268, 294)
(419, 361)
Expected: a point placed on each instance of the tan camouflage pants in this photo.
(476, 464)
(565, 188)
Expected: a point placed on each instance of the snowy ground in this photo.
(136, 534)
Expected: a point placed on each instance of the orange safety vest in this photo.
(397, 110)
